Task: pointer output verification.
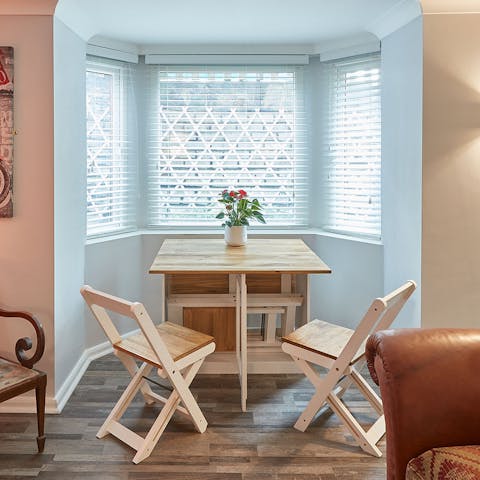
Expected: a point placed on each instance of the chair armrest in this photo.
(25, 343)
(430, 388)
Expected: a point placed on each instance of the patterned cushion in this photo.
(12, 373)
(447, 463)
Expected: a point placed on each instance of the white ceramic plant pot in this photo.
(236, 236)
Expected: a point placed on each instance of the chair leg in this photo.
(365, 440)
(181, 393)
(130, 364)
(40, 392)
(323, 386)
(367, 391)
(288, 320)
(271, 328)
(125, 399)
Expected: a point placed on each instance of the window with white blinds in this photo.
(352, 146)
(111, 178)
(215, 127)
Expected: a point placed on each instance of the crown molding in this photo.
(75, 18)
(396, 17)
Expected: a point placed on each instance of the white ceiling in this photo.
(228, 22)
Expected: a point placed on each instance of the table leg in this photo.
(164, 298)
(243, 335)
(241, 338)
(303, 287)
(237, 325)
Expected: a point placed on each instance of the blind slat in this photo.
(352, 147)
(211, 128)
(111, 168)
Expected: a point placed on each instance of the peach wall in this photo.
(451, 171)
(26, 240)
(28, 7)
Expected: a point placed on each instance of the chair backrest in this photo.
(379, 316)
(100, 303)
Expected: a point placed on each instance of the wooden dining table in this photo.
(205, 273)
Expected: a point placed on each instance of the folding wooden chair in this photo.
(175, 351)
(342, 352)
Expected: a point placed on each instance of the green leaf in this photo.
(220, 215)
(258, 216)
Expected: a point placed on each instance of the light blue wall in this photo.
(69, 201)
(402, 67)
(357, 278)
(115, 267)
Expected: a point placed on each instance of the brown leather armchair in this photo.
(430, 386)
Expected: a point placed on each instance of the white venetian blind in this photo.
(215, 127)
(352, 146)
(111, 168)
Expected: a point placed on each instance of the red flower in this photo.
(232, 193)
(243, 193)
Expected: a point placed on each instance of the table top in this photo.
(259, 255)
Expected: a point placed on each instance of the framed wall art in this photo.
(6, 131)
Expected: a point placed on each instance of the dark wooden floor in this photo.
(260, 444)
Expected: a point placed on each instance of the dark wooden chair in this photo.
(16, 379)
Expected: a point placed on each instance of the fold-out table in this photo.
(199, 259)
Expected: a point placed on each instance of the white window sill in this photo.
(217, 232)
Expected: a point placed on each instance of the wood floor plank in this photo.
(260, 444)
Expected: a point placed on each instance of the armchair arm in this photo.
(25, 343)
(430, 387)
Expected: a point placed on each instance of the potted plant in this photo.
(238, 209)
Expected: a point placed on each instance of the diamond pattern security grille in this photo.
(109, 174)
(214, 128)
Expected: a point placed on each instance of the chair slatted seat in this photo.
(324, 338)
(179, 342)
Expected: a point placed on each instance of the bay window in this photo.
(202, 129)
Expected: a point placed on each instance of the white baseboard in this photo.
(70, 383)
(26, 403)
